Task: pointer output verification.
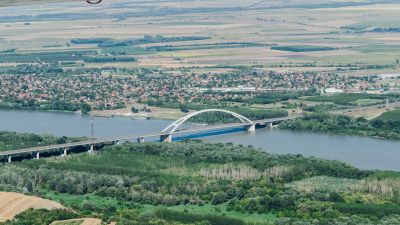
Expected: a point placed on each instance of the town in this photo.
(50, 87)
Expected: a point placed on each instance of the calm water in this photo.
(366, 153)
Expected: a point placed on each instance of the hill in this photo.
(5, 3)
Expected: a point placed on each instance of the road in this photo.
(138, 138)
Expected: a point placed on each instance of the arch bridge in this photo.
(165, 135)
(173, 127)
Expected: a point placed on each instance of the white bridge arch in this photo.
(175, 125)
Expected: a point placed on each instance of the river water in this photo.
(362, 152)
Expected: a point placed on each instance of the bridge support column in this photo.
(37, 155)
(270, 126)
(251, 128)
(65, 152)
(91, 149)
(140, 140)
(166, 138)
(9, 158)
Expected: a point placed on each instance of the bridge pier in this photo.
(251, 128)
(65, 152)
(140, 140)
(91, 148)
(270, 125)
(37, 155)
(166, 138)
(9, 158)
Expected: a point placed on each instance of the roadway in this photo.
(138, 138)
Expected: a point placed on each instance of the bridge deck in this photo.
(133, 137)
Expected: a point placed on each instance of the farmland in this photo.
(252, 38)
(350, 99)
(12, 204)
(393, 115)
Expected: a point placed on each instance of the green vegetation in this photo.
(302, 48)
(168, 48)
(349, 98)
(78, 222)
(393, 115)
(274, 97)
(146, 40)
(13, 140)
(341, 124)
(41, 217)
(253, 114)
(183, 217)
(198, 183)
(109, 59)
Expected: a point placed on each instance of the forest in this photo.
(192, 182)
(13, 140)
(342, 124)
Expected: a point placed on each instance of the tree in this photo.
(85, 108)
(134, 109)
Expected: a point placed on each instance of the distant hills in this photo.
(4, 3)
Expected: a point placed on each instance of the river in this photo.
(362, 152)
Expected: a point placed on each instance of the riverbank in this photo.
(357, 151)
(155, 113)
(345, 125)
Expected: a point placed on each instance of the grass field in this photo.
(348, 99)
(391, 115)
(75, 222)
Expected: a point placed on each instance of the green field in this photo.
(302, 48)
(79, 222)
(349, 99)
(393, 115)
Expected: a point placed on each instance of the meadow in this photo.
(393, 115)
(349, 99)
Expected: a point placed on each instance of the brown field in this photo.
(12, 204)
(156, 113)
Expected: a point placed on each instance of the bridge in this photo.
(165, 135)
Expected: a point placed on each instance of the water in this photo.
(362, 152)
(71, 124)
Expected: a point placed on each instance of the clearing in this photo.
(82, 221)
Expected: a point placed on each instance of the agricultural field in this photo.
(350, 99)
(322, 37)
(393, 115)
(12, 204)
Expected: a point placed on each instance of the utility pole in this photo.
(91, 148)
(91, 128)
(387, 103)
